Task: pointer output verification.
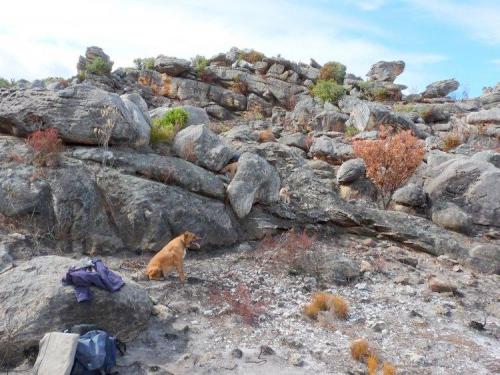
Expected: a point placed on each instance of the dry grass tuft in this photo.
(388, 369)
(451, 141)
(359, 349)
(339, 305)
(322, 301)
(371, 364)
(311, 310)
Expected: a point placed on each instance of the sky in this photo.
(437, 39)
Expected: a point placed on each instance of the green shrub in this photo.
(98, 66)
(351, 131)
(333, 70)
(200, 63)
(145, 63)
(4, 83)
(328, 90)
(164, 129)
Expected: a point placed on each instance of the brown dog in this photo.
(171, 256)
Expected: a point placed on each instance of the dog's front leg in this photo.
(180, 270)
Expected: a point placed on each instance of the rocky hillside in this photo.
(265, 167)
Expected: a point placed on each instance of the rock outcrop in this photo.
(34, 301)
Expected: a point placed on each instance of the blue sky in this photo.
(437, 39)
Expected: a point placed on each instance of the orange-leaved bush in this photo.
(390, 160)
(46, 146)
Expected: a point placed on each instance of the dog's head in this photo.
(191, 240)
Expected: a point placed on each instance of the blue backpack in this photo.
(95, 354)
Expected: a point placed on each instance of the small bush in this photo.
(451, 141)
(327, 302)
(251, 56)
(46, 146)
(239, 86)
(388, 369)
(145, 63)
(240, 303)
(351, 131)
(164, 129)
(293, 250)
(4, 83)
(359, 349)
(372, 364)
(98, 66)
(391, 160)
(328, 91)
(200, 63)
(333, 71)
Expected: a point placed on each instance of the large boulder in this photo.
(76, 112)
(410, 195)
(470, 184)
(350, 171)
(386, 70)
(34, 301)
(165, 169)
(90, 55)
(66, 204)
(256, 181)
(138, 109)
(198, 144)
(440, 89)
(329, 121)
(484, 116)
(486, 258)
(450, 216)
(333, 150)
(148, 214)
(366, 116)
(172, 66)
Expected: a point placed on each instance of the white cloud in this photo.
(51, 34)
(480, 19)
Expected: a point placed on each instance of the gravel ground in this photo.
(196, 330)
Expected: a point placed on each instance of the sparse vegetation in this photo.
(46, 146)
(351, 131)
(327, 302)
(388, 369)
(406, 108)
(239, 86)
(294, 250)
(333, 71)
(251, 56)
(372, 364)
(328, 90)
(98, 66)
(239, 302)
(359, 349)
(373, 92)
(451, 141)
(104, 133)
(164, 129)
(200, 63)
(390, 160)
(5, 83)
(145, 63)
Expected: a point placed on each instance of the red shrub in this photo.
(240, 303)
(391, 160)
(46, 146)
(295, 250)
